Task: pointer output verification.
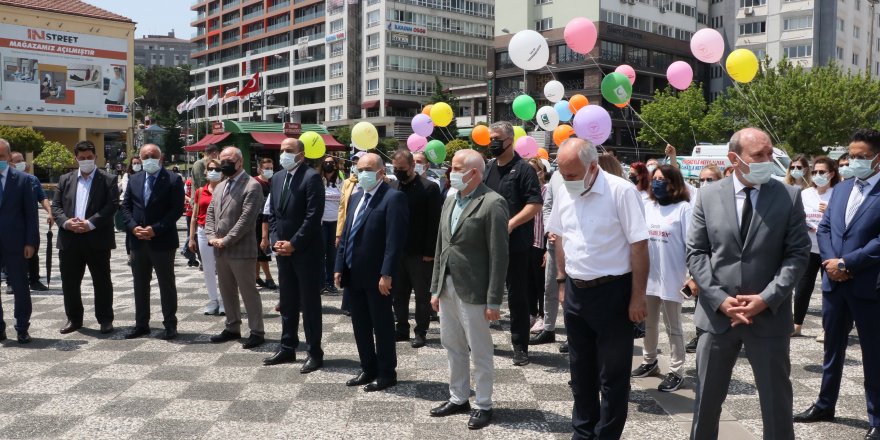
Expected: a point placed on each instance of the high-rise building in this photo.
(335, 62)
(162, 50)
(646, 34)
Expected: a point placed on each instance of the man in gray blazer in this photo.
(747, 248)
(470, 267)
(229, 226)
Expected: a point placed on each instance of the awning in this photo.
(402, 103)
(269, 140)
(209, 139)
(370, 104)
(332, 144)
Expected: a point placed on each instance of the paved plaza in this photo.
(92, 386)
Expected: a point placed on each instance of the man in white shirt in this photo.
(602, 260)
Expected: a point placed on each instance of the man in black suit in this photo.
(152, 205)
(83, 206)
(295, 211)
(366, 260)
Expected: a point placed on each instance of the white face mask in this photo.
(576, 188)
(368, 180)
(759, 172)
(21, 166)
(862, 168)
(87, 166)
(651, 169)
(796, 174)
(820, 181)
(456, 180)
(267, 174)
(214, 176)
(136, 167)
(846, 172)
(419, 169)
(151, 166)
(288, 160)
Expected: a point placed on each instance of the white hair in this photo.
(235, 151)
(472, 160)
(586, 151)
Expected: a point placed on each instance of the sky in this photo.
(153, 17)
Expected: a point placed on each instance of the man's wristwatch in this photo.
(841, 265)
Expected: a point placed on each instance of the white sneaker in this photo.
(211, 308)
(821, 337)
(537, 326)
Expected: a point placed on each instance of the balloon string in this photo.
(752, 91)
(551, 72)
(750, 107)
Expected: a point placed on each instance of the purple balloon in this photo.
(422, 125)
(416, 142)
(592, 123)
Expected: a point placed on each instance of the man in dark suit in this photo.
(295, 211)
(19, 240)
(152, 205)
(83, 206)
(371, 245)
(849, 244)
(746, 249)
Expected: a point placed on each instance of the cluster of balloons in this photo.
(433, 115)
(707, 45)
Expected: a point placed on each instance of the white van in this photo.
(705, 154)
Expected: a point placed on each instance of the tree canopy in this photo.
(682, 118)
(440, 94)
(56, 158)
(22, 139)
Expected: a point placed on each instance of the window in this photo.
(336, 113)
(758, 27)
(564, 54)
(839, 53)
(544, 24)
(543, 2)
(683, 9)
(718, 22)
(611, 51)
(748, 3)
(840, 24)
(660, 60)
(373, 18)
(373, 63)
(372, 87)
(373, 41)
(799, 51)
(336, 70)
(614, 18)
(335, 26)
(336, 91)
(793, 23)
(856, 32)
(855, 59)
(637, 56)
(336, 49)
(638, 23)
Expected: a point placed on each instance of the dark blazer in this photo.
(378, 244)
(858, 244)
(162, 212)
(102, 205)
(298, 217)
(18, 218)
(425, 203)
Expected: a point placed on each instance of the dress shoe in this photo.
(691, 346)
(70, 327)
(814, 414)
(400, 337)
(106, 328)
(23, 337)
(37, 286)
(2, 336)
(448, 408)
(225, 336)
(480, 418)
(419, 341)
(311, 364)
(270, 284)
(253, 341)
(520, 357)
(361, 379)
(278, 307)
(260, 282)
(281, 356)
(379, 385)
(137, 332)
(544, 337)
(873, 433)
(170, 333)
(563, 347)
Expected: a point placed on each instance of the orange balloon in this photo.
(480, 135)
(576, 102)
(542, 154)
(622, 105)
(427, 109)
(561, 133)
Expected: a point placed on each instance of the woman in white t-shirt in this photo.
(815, 198)
(332, 197)
(668, 214)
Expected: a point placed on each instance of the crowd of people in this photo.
(623, 249)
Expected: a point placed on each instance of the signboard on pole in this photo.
(217, 127)
(292, 129)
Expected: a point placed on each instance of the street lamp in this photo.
(132, 109)
(873, 4)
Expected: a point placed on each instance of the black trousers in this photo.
(299, 288)
(804, 289)
(536, 281)
(517, 299)
(13, 261)
(600, 349)
(34, 267)
(73, 267)
(413, 274)
(372, 317)
(144, 261)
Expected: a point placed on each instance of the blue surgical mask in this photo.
(759, 172)
(367, 180)
(796, 174)
(419, 169)
(151, 166)
(661, 192)
(288, 160)
(4, 165)
(820, 180)
(21, 166)
(846, 172)
(862, 168)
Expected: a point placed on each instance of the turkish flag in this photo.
(250, 86)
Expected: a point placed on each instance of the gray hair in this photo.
(504, 127)
(235, 151)
(472, 160)
(6, 143)
(585, 149)
(150, 146)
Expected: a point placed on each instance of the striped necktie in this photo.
(856, 201)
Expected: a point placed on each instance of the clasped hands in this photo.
(143, 233)
(833, 272)
(77, 225)
(283, 248)
(742, 308)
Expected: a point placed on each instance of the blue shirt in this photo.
(460, 204)
(39, 194)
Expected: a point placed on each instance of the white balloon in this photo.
(554, 91)
(547, 118)
(528, 50)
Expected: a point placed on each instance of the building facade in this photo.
(162, 50)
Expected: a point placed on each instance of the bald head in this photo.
(370, 162)
(150, 151)
(748, 135)
(575, 158)
(748, 146)
(291, 145)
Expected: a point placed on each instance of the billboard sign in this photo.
(407, 28)
(52, 72)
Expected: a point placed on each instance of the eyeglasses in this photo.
(819, 172)
(213, 169)
(707, 180)
(796, 167)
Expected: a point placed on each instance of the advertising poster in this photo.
(52, 72)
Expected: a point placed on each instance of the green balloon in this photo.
(524, 107)
(616, 88)
(435, 151)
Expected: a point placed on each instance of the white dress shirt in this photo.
(598, 228)
(3, 178)
(83, 187)
(361, 201)
(740, 197)
(855, 197)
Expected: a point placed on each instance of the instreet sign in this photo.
(292, 129)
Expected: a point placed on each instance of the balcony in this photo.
(336, 53)
(231, 22)
(230, 5)
(277, 84)
(253, 14)
(279, 5)
(254, 32)
(336, 73)
(231, 39)
(308, 80)
(307, 17)
(279, 25)
(372, 92)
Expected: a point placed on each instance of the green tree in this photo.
(55, 158)
(386, 148)
(343, 135)
(164, 88)
(455, 145)
(22, 139)
(173, 142)
(440, 94)
(681, 118)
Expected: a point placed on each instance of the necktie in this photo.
(856, 202)
(285, 190)
(151, 180)
(355, 226)
(746, 214)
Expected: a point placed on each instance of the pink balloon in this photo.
(592, 123)
(707, 45)
(627, 70)
(526, 146)
(680, 74)
(580, 35)
(416, 142)
(422, 125)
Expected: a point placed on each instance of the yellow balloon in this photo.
(518, 132)
(365, 136)
(441, 114)
(742, 65)
(314, 144)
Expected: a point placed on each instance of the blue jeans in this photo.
(328, 230)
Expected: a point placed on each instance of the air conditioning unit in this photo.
(750, 11)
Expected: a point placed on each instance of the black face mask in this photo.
(328, 167)
(402, 175)
(227, 167)
(497, 147)
(634, 179)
